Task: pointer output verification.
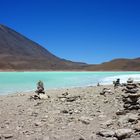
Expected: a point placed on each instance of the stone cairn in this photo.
(116, 83)
(40, 88)
(40, 92)
(131, 97)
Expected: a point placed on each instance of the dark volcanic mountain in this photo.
(20, 53)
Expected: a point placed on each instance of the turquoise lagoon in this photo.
(12, 82)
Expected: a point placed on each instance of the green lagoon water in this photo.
(12, 82)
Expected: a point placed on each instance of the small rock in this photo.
(37, 104)
(106, 90)
(20, 94)
(85, 120)
(94, 103)
(98, 110)
(77, 111)
(123, 120)
(44, 119)
(106, 101)
(137, 126)
(132, 117)
(65, 111)
(63, 99)
(123, 133)
(130, 80)
(43, 96)
(37, 123)
(7, 136)
(106, 133)
(26, 132)
(108, 123)
(35, 114)
(65, 94)
(120, 112)
(71, 99)
(102, 116)
(18, 128)
(128, 118)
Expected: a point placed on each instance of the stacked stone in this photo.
(131, 98)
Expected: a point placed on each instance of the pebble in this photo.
(106, 133)
(106, 101)
(43, 96)
(122, 120)
(102, 116)
(120, 112)
(35, 114)
(108, 123)
(85, 120)
(37, 123)
(65, 111)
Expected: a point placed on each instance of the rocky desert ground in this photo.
(82, 113)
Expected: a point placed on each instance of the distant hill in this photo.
(117, 65)
(18, 53)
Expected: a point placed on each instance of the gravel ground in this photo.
(68, 114)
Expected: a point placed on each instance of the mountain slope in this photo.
(20, 53)
(13, 43)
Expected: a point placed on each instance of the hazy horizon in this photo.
(83, 31)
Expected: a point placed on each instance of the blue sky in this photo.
(91, 31)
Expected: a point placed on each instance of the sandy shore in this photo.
(80, 116)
